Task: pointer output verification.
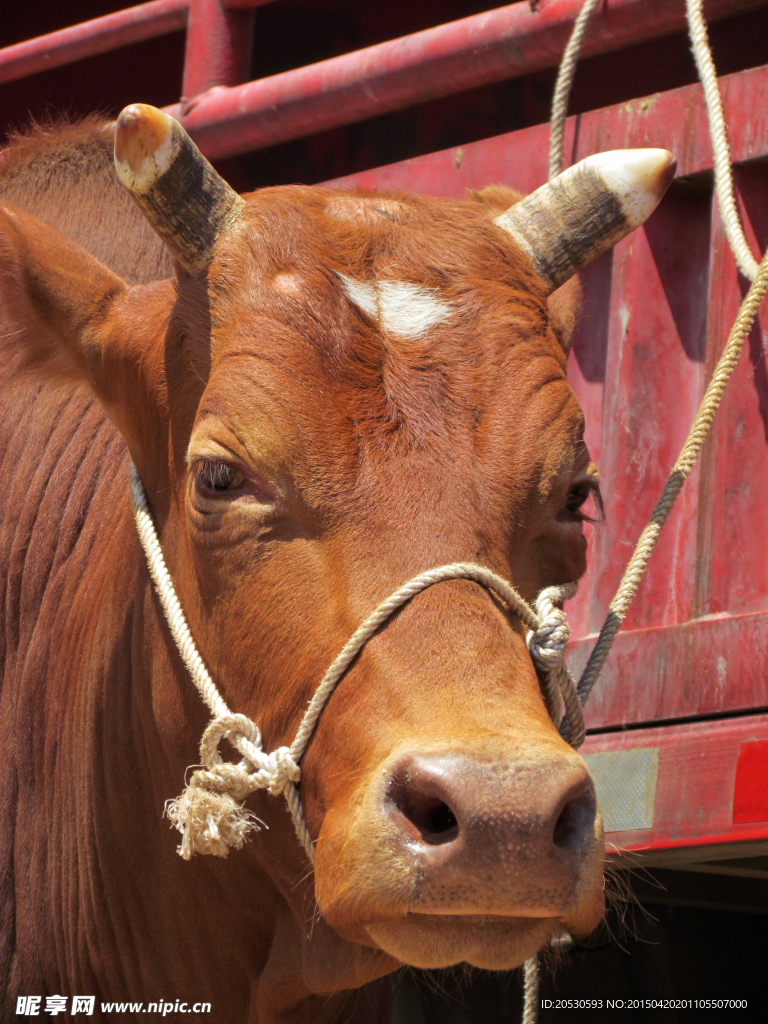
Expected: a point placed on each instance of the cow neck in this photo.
(210, 813)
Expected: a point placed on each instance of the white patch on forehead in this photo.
(399, 307)
(410, 310)
(363, 294)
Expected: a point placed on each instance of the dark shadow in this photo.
(590, 342)
(575, 146)
(678, 234)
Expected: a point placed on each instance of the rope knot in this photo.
(283, 770)
(242, 733)
(547, 643)
(209, 813)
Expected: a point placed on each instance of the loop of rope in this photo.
(565, 74)
(210, 814)
(697, 29)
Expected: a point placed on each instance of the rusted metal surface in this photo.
(90, 37)
(490, 47)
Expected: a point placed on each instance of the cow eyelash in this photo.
(579, 495)
(213, 476)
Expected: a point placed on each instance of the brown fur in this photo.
(368, 459)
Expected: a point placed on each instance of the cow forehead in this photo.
(426, 241)
(352, 271)
(382, 325)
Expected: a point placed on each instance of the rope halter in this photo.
(209, 813)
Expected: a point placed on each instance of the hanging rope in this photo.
(565, 74)
(697, 30)
(741, 328)
(531, 979)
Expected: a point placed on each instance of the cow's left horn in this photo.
(184, 199)
(574, 218)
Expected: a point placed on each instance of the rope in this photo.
(209, 813)
(164, 587)
(697, 29)
(702, 53)
(531, 978)
(748, 266)
(565, 74)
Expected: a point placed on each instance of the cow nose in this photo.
(504, 832)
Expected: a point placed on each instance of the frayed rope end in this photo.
(209, 822)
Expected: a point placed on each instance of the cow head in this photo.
(337, 391)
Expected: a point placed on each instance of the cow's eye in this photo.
(214, 477)
(577, 496)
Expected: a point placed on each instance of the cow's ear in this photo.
(495, 198)
(564, 306)
(66, 316)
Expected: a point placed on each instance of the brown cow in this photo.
(334, 392)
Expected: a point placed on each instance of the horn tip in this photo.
(652, 169)
(144, 147)
(640, 177)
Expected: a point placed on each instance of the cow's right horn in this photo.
(574, 218)
(184, 199)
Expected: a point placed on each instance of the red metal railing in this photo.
(491, 47)
(219, 44)
(221, 21)
(226, 117)
(91, 37)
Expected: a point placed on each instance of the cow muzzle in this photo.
(493, 838)
(479, 857)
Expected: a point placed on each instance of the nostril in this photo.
(575, 822)
(434, 819)
(431, 816)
